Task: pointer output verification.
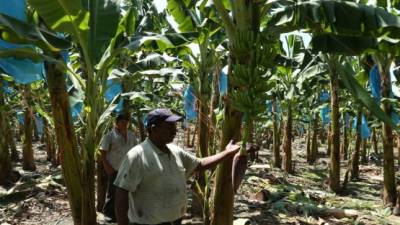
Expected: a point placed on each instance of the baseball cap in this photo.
(161, 114)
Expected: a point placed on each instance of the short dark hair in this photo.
(122, 116)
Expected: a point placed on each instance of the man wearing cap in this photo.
(113, 147)
(151, 182)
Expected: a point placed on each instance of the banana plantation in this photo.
(314, 85)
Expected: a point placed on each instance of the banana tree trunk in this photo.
(308, 142)
(364, 159)
(101, 185)
(202, 138)
(345, 147)
(398, 155)
(389, 180)
(49, 146)
(202, 151)
(242, 30)
(5, 158)
(66, 140)
(334, 172)
(329, 136)
(196, 127)
(28, 162)
(222, 208)
(355, 159)
(314, 142)
(88, 166)
(142, 131)
(35, 129)
(374, 141)
(287, 145)
(11, 141)
(222, 212)
(213, 132)
(276, 136)
(187, 133)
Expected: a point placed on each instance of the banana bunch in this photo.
(247, 80)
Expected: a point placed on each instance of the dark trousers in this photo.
(176, 222)
(109, 209)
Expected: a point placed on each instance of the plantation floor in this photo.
(267, 195)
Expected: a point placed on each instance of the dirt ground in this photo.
(267, 195)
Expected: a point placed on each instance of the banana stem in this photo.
(246, 134)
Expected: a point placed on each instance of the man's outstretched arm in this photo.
(211, 161)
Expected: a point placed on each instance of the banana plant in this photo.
(200, 64)
(300, 68)
(5, 158)
(250, 55)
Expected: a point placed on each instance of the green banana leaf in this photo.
(395, 4)
(92, 29)
(182, 15)
(66, 16)
(346, 74)
(19, 32)
(339, 17)
(27, 53)
(103, 23)
(342, 45)
(153, 60)
(160, 42)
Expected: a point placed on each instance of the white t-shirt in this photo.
(117, 146)
(156, 182)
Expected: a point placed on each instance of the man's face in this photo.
(122, 125)
(165, 132)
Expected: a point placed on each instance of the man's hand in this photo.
(232, 148)
(121, 206)
(108, 168)
(106, 165)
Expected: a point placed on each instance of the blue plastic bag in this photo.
(190, 103)
(395, 117)
(268, 104)
(114, 87)
(375, 83)
(223, 81)
(24, 71)
(20, 117)
(39, 124)
(301, 130)
(76, 109)
(324, 113)
(14, 8)
(347, 119)
(7, 89)
(324, 96)
(365, 132)
(120, 106)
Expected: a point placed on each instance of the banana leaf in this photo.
(16, 31)
(346, 74)
(338, 17)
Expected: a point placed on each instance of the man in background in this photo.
(113, 148)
